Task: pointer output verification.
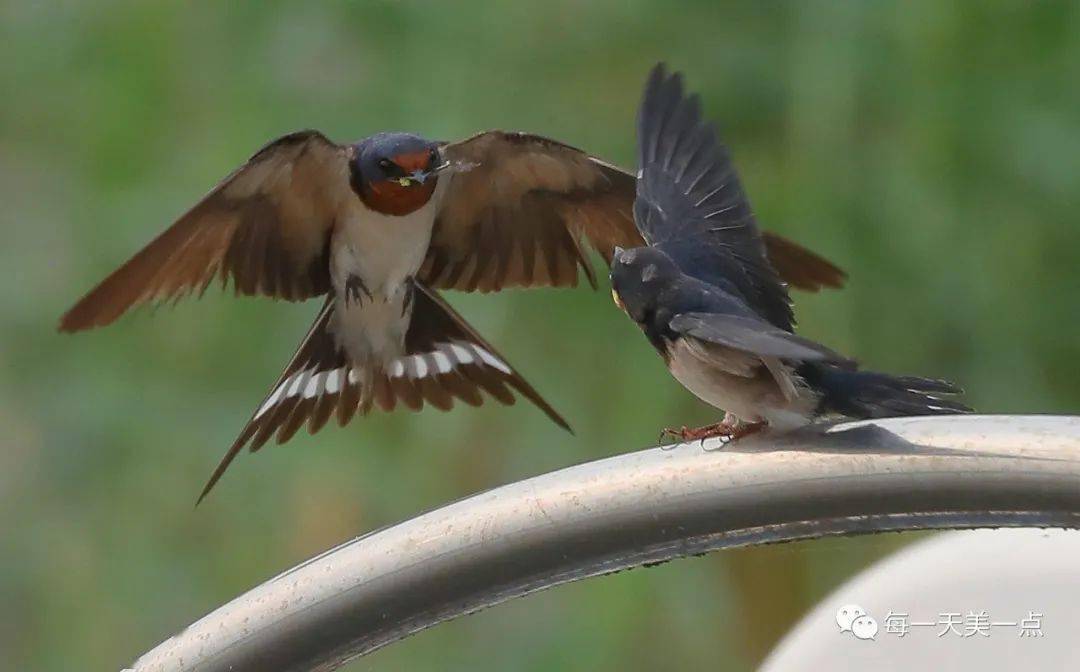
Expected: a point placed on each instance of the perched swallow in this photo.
(378, 226)
(707, 298)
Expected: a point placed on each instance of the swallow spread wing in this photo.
(266, 228)
(690, 203)
(521, 216)
(517, 214)
(705, 294)
(378, 226)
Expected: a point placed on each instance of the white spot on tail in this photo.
(442, 362)
(333, 381)
(419, 366)
(444, 359)
(297, 383)
(491, 360)
(314, 386)
(273, 398)
(288, 388)
(461, 354)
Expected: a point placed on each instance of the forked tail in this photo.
(445, 360)
(869, 394)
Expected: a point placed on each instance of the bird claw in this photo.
(686, 434)
(353, 286)
(729, 429)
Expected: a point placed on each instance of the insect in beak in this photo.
(419, 176)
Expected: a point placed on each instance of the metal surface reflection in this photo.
(642, 507)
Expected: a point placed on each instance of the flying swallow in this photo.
(378, 226)
(707, 298)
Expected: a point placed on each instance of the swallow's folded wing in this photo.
(752, 336)
(266, 227)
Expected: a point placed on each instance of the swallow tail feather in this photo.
(869, 394)
(444, 360)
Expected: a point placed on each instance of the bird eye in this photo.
(433, 156)
(385, 164)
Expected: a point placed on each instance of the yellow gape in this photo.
(617, 300)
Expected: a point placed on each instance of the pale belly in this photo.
(383, 252)
(720, 389)
(742, 387)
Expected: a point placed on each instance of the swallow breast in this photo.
(384, 251)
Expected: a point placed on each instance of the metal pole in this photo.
(643, 507)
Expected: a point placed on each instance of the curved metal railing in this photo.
(638, 508)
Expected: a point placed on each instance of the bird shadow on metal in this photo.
(855, 439)
(639, 509)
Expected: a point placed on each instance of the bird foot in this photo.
(353, 286)
(728, 429)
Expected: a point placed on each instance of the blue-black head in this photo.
(638, 277)
(395, 173)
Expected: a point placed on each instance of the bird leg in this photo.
(729, 428)
(353, 286)
(747, 428)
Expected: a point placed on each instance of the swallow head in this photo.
(395, 173)
(638, 277)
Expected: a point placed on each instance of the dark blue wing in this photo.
(691, 204)
(753, 336)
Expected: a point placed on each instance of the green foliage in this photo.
(931, 148)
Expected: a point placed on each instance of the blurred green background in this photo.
(931, 148)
